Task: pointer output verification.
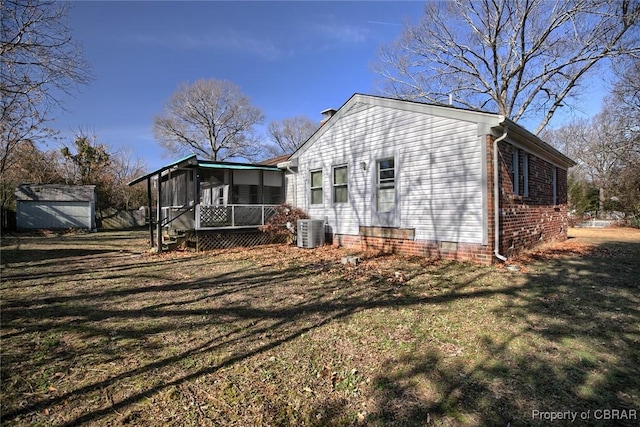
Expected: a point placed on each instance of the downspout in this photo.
(496, 196)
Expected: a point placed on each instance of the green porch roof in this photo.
(237, 166)
(205, 164)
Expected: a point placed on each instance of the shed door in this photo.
(54, 214)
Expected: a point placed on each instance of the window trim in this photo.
(554, 184)
(380, 185)
(312, 188)
(335, 186)
(525, 174)
(515, 171)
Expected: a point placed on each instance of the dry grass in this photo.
(96, 332)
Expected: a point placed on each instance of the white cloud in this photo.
(229, 41)
(342, 33)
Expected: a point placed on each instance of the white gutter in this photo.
(496, 196)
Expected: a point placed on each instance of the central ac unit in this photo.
(310, 233)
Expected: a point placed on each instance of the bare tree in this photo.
(289, 134)
(626, 95)
(125, 167)
(28, 164)
(39, 63)
(211, 118)
(605, 146)
(517, 58)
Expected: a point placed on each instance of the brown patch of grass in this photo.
(97, 331)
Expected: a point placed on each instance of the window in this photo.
(554, 184)
(385, 185)
(316, 187)
(340, 184)
(515, 173)
(525, 175)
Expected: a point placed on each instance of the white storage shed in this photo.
(54, 206)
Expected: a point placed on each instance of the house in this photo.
(53, 206)
(420, 179)
(387, 174)
(213, 204)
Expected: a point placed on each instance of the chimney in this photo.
(327, 114)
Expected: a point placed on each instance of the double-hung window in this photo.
(316, 187)
(525, 175)
(340, 184)
(554, 184)
(515, 173)
(385, 185)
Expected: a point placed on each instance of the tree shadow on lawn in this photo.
(575, 340)
(235, 306)
(575, 352)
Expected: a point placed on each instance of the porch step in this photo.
(172, 242)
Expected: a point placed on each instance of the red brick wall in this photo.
(443, 250)
(526, 221)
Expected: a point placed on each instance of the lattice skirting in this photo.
(208, 240)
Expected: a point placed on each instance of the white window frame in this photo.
(335, 186)
(316, 188)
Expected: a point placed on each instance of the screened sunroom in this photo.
(203, 195)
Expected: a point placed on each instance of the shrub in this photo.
(284, 222)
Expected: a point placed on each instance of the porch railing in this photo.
(232, 216)
(171, 213)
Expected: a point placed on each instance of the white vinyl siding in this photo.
(438, 170)
(54, 214)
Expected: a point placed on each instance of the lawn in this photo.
(96, 331)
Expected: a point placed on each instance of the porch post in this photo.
(159, 214)
(150, 205)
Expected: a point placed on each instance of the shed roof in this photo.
(56, 192)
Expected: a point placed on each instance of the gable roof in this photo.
(493, 123)
(274, 160)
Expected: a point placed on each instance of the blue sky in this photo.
(289, 58)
